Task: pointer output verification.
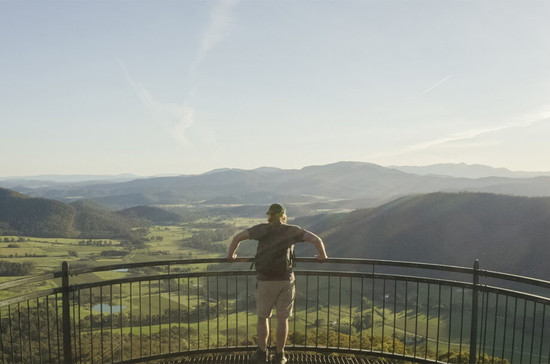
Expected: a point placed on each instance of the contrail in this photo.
(436, 84)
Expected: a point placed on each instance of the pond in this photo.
(107, 309)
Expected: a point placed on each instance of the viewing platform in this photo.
(346, 311)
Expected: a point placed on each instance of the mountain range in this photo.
(468, 171)
(341, 186)
(360, 210)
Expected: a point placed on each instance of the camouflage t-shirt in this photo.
(273, 259)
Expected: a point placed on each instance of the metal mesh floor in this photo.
(293, 358)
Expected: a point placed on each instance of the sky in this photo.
(186, 86)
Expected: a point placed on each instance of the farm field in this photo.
(163, 242)
(184, 241)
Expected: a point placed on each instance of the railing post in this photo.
(475, 301)
(66, 314)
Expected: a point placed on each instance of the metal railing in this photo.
(130, 313)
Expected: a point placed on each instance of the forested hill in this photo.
(505, 233)
(24, 215)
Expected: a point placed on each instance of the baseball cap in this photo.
(276, 209)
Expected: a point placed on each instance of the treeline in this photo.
(11, 269)
(13, 239)
(91, 242)
(151, 214)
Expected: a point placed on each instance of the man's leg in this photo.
(282, 333)
(264, 301)
(284, 305)
(263, 332)
(260, 356)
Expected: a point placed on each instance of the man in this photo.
(275, 278)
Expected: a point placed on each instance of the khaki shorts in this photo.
(278, 294)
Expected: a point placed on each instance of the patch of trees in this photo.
(205, 239)
(11, 269)
(94, 221)
(13, 239)
(208, 236)
(155, 238)
(26, 255)
(4, 228)
(91, 242)
(154, 215)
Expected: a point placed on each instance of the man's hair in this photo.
(276, 209)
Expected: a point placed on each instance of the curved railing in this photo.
(415, 312)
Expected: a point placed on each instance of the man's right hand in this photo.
(321, 258)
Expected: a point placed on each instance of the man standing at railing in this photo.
(275, 278)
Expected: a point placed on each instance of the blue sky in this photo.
(181, 87)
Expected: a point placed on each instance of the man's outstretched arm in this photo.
(243, 235)
(318, 243)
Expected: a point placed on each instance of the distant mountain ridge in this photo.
(332, 187)
(56, 180)
(463, 170)
(507, 233)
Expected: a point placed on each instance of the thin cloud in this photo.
(179, 118)
(464, 136)
(186, 120)
(216, 30)
(172, 117)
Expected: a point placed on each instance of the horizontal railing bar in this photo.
(157, 277)
(395, 263)
(150, 264)
(397, 277)
(30, 296)
(376, 262)
(32, 279)
(514, 293)
(514, 278)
